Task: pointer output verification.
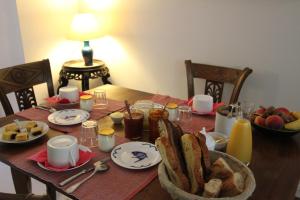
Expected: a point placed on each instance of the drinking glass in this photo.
(247, 109)
(88, 133)
(184, 113)
(240, 141)
(100, 99)
(134, 125)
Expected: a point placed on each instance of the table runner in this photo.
(197, 122)
(117, 183)
(95, 114)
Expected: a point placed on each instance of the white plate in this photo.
(81, 147)
(135, 155)
(31, 137)
(68, 117)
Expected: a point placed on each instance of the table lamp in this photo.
(85, 27)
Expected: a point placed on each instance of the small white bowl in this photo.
(117, 117)
(220, 139)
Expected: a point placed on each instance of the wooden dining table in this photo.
(275, 159)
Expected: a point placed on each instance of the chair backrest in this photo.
(215, 77)
(20, 79)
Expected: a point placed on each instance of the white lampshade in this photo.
(84, 27)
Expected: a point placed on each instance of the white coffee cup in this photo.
(69, 92)
(202, 103)
(63, 151)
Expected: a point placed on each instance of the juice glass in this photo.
(134, 126)
(240, 141)
(155, 114)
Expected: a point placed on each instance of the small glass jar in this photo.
(106, 139)
(172, 108)
(86, 102)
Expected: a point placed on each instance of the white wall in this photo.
(11, 51)
(43, 29)
(149, 41)
(158, 36)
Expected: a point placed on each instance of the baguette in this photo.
(173, 133)
(192, 155)
(220, 169)
(206, 164)
(212, 188)
(233, 186)
(172, 164)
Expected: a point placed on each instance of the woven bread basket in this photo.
(237, 166)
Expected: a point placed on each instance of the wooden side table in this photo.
(75, 69)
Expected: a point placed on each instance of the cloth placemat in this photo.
(196, 123)
(95, 114)
(117, 183)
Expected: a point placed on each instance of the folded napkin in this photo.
(41, 157)
(213, 112)
(57, 99)
(164, 99)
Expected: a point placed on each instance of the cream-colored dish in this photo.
(117, 117)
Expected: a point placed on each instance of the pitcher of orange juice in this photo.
(240, 140)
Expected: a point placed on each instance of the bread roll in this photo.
(220, 169)
(172, 164)
(192, 155)
(212, 188)
(233, 186)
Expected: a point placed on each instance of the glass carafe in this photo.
(240, 140)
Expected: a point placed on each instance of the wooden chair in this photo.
(20, 79)
(215, 77)
(6, 196)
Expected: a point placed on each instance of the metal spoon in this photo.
(50, 109)
(99, 167)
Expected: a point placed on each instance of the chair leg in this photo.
(7, 196)
(51, 192)
(21, 181)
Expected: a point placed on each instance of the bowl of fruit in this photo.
(276, 120)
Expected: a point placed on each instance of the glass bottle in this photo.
(240, 140)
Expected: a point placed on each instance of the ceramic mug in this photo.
(63, 151)
(202, 103)
(69, 92)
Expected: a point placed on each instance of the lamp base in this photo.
(87, 54)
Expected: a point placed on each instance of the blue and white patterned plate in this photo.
(136, 155)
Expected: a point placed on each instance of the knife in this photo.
(68, 180)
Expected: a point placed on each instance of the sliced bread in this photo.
(212, 188)
(192, 155)
(172, 164)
